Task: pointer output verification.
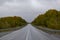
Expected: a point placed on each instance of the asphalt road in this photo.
(29, 33)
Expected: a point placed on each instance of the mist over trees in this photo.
(50, 19)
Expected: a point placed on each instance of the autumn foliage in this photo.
(11, 22)
(50, 19)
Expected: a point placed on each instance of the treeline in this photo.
(50, 19)
(11, 22)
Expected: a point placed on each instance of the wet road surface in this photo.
(29, 33)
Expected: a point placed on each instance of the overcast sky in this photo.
(27, 9)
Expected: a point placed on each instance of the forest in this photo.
(11, 22)
(50, 19)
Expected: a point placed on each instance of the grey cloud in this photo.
(3, 1)
(26, 9)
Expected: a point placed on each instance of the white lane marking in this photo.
(27, 36)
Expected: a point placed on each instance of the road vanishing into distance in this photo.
(29, 33)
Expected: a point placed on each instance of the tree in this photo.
(11, 22)
(50, 19)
